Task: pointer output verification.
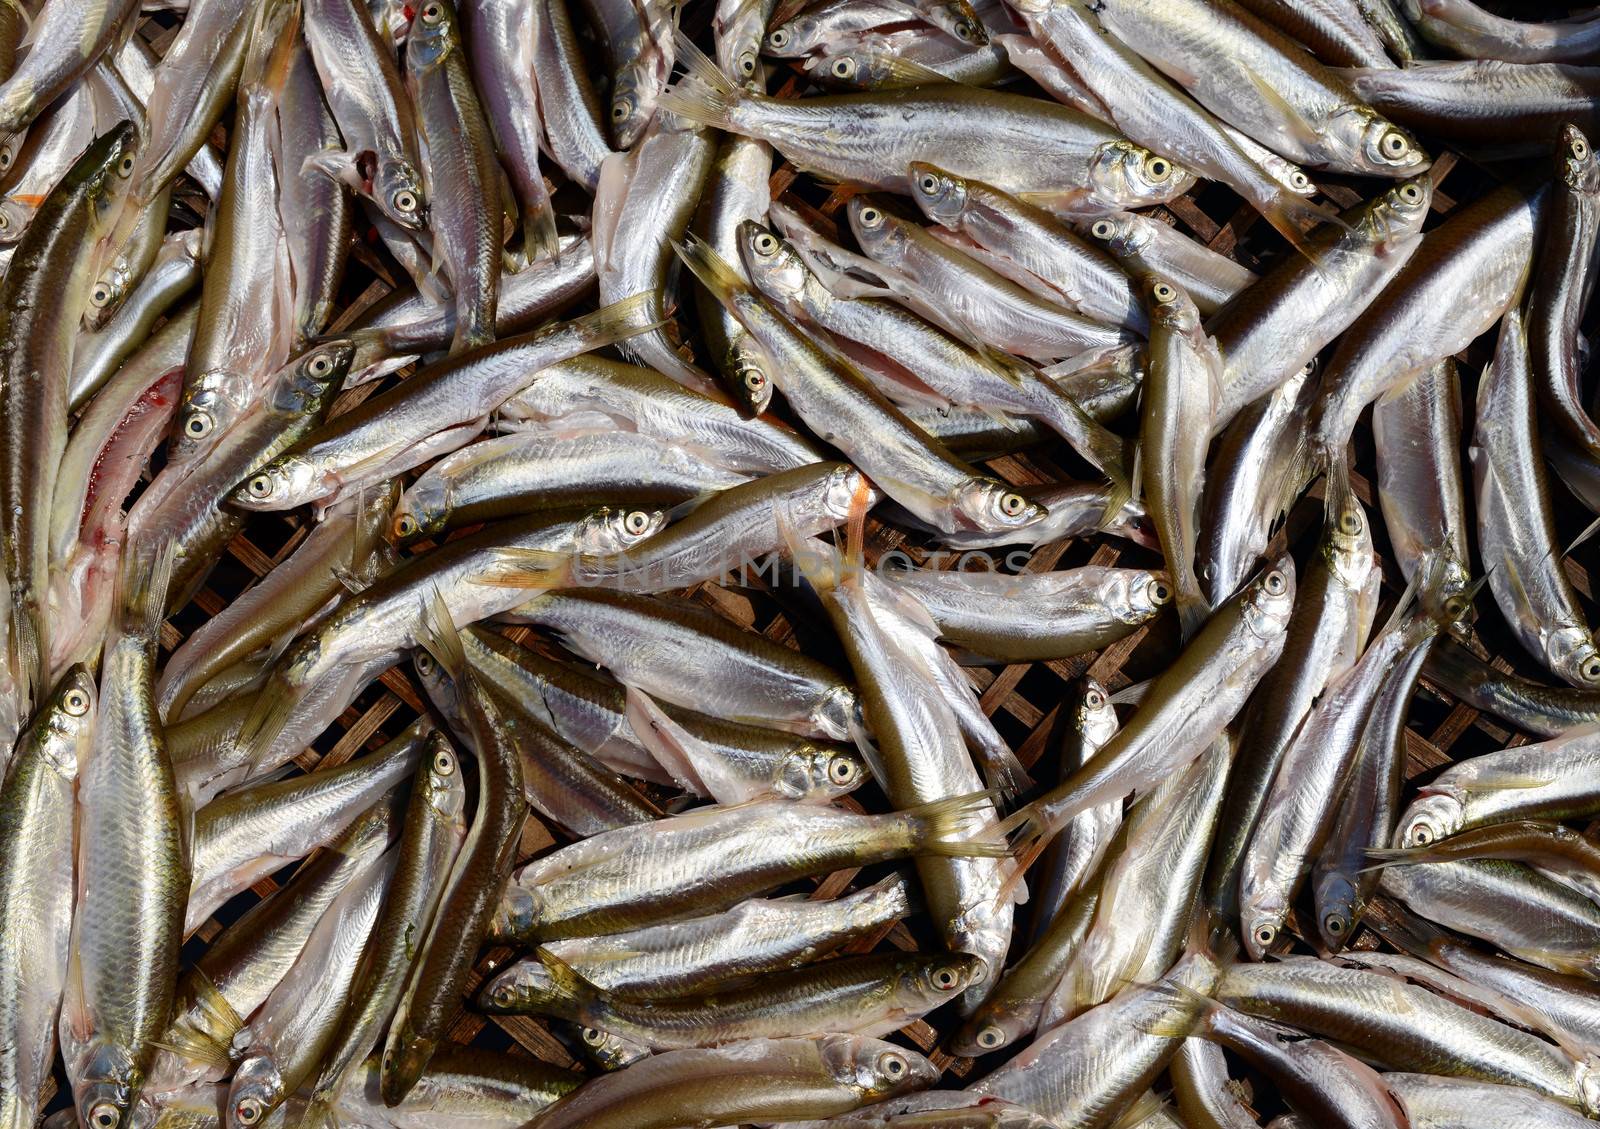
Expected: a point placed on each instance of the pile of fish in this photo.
(657, 320)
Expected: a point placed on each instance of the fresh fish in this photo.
(1484, 101)
(1034, 617)
(839, 404)
(869, 995)
(643, 204)
(681, 652)
(128, 922)
(712, 858)
(1431, 1102)
(37, 160)
(762, 1080)
(738, 27)
(368, 100)
(754, 938)
(1467, 273)
(1279, 325)
(1018, 144)
(1178, 413)
(460, 175)
(737, 191)
(1417, 432)
(1077, 509)
(1263, 83)
(637, 38)
(592, 391)
(910, 58)
(526, 471)
(36, 882)
(1147, 246)
(66, 39)
(1469, 30)
(243, 837)
(833, 22)
(441, 408)
(1554, 850)
(476, 879)
(574, 126)
(1547, 711)
(500, 40)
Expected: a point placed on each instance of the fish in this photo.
(1431, 1102)
(1483, 102)
(574, 127)
(491, 1089)
(1547, 711)
(1467, 29)
(1337, 31)
(1144, 245)
(74, 38)
(737, 191)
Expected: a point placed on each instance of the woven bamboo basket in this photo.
(1024, 700)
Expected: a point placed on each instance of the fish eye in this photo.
(963, 30)
(405, 201)
(636, 522)
(1275, 583)
(766, 243)
(1094, 699)
(75, 702)
(425, 664)
(1410, 194)
(1590, 669)
(1159, 592)
(929, 183)
(747, 64)
(945, 979)
(125, 166)
(1266, 935)
(1299, 180)
(504, 995)
(592, 1037)
(405, 525)
(100, 296)
(842, 770)
(755, 379)
(780, 38)
(893, 1065)
(444, 762)
(5, 157)
(1580, 148)
(1164, 292)
(432, 14)
(1422, 835)
(1158, 169)
(1309, 367)
(104, 1115)
(260, 486)
(198, 425)
(619, 111)
(990, 1037)
(1394, 145)
(248, 1111)
(1350, 522)
(1012, 505)
(320, 365)
(870, 216)
(1102, 229)
(1334, 924)
(843, 68)
(5, 220)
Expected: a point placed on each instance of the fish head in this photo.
(446, 791)
(256, 1091)
(15, 216)
(1269, 599)
(109, 171)
(526, 979)
(991, 506)
(994, 1027)
(107, 293)
(68, 720)
(1399, 212)
(1125, 175)
(819, 771)
(372, 356)
(10, 146)
(106, 1087)
(1262, 917)
(404, 1059)
(397, 191)
(1572, 655)
(873, 1068)
(750, 383)
(942, 196)
(1170, 306)
(285, 482)
(434, 34)
(633, 99)
(608, 1051)
(613, 529)
(421, 512)
(1432, 816)
(839, 713)
(929, 985)
(774, 265)
(1094, 717)
(1147, 593)
(840, 489)
(956, 18)
(881, 235)
(208, 407)
(795, 37)
(1381, 148)
(1122, 233)
(1576, 166)
(1336, 900)
(314, 374)
(1587, 1074)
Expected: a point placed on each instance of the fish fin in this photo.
(704, 95)
(1287, 212)
(142, 590)
(1193, 611)
(339, 165)
(867, 748)
(1588, 531)
(1131, 694)
(439, 637)
(1302, 130)
(348, 580)
(1186, 1010)
(1145, 1109)
(268, 715)
(939, 829)
(677, 750)
(567, 982)
(528, 568)
(620, 320)
(1029, 835)
(713, 271)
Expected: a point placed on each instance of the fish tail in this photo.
(1186, 1009)
(142, 590)
(1292, 215)
(1402, 929)
(439, 637)
(620, 320)
(1193, 611)
(27, 653)
(539, 569)
(567, 983)
(713, 271)
(941, 827)
(704, 95)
